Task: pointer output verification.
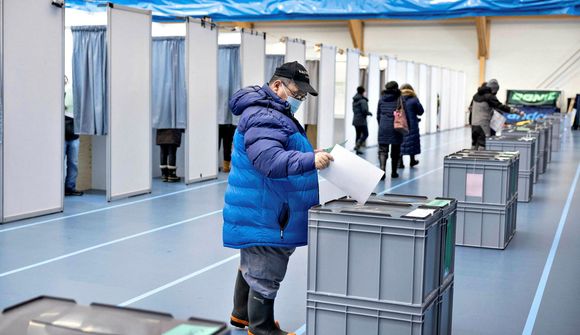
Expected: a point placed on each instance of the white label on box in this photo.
(420, 213)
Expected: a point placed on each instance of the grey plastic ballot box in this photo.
(496, 172)
(338, 315)
(447, 222)
(445, 307)
(526, 132)
(486, 226)
(556, 131)
(56, 316)
(379, 251)
(526, 146)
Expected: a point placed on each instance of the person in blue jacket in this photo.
(412, 141)
(272, 185)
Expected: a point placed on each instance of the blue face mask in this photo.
(293, 102)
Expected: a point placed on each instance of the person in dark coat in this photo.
(413, 109)
(388, 136)
(169, 140)
(360, 108)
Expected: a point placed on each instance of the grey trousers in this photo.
(264, 268)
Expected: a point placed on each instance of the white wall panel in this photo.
(296, 51)
(129, 92)
(374, 90)
(33, 108)
(352, 82)
(327, 86)
(202, 101)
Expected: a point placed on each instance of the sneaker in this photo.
(73, 193)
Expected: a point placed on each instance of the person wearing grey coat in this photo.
(482, 107)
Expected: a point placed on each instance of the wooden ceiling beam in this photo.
(357, 33)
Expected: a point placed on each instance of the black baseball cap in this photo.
(298, 74)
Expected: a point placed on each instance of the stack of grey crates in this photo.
(485, 184)
(526, 146)
(385, 267)
(57, 316)
(527, 132)
(557, 131)
(549, 125)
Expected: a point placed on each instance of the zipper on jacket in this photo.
(284, 219)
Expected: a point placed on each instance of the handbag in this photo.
(401, 125)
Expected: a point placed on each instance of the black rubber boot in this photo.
(394, 165)
(239, 317)
(383, 162)
(172, 176)
(414, 162)
(261, 313)
(401, 165)
(164, 174)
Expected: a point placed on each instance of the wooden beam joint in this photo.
(357, 30)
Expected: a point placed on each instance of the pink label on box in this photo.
(474, 185)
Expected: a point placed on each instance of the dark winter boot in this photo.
(394, 165)
(164, 173)
(383, 162)
(401, 165)
(261, 313)
(239, 317)
(414, 162)
(172, 176)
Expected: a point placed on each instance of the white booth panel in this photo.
(253, 59)
(445, 99)
(392, 69)
(296, 51)
(33, 113)
(327, 85)
(374, 92)
(129, 89)
(201, 67)
(434, 120)
(412, 74)
(401, 77)
(454, 106)
(463, 98)
(352, 82)
(424, 94)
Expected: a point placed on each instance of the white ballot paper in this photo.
(352, 174)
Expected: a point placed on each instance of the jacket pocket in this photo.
(283, 218)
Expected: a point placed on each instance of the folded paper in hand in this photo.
(352, 174)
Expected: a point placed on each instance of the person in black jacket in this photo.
(169, 140)
(71, 145)
(360, 108)
(390, 101)
(482, 106)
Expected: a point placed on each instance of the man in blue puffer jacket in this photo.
(272, 185)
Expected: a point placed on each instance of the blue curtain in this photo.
(169, 91)
(229, 80)
(272, 62)
(89, 80)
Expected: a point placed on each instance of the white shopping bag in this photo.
(497, 122)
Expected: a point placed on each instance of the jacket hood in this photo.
(259, 97)
(408, 93)
(481, 94)
(359, 97)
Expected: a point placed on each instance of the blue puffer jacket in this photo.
(386, 117)
(413, 109)
(273, 182)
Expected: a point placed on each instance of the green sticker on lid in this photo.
(439, 203)
(192, 330)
